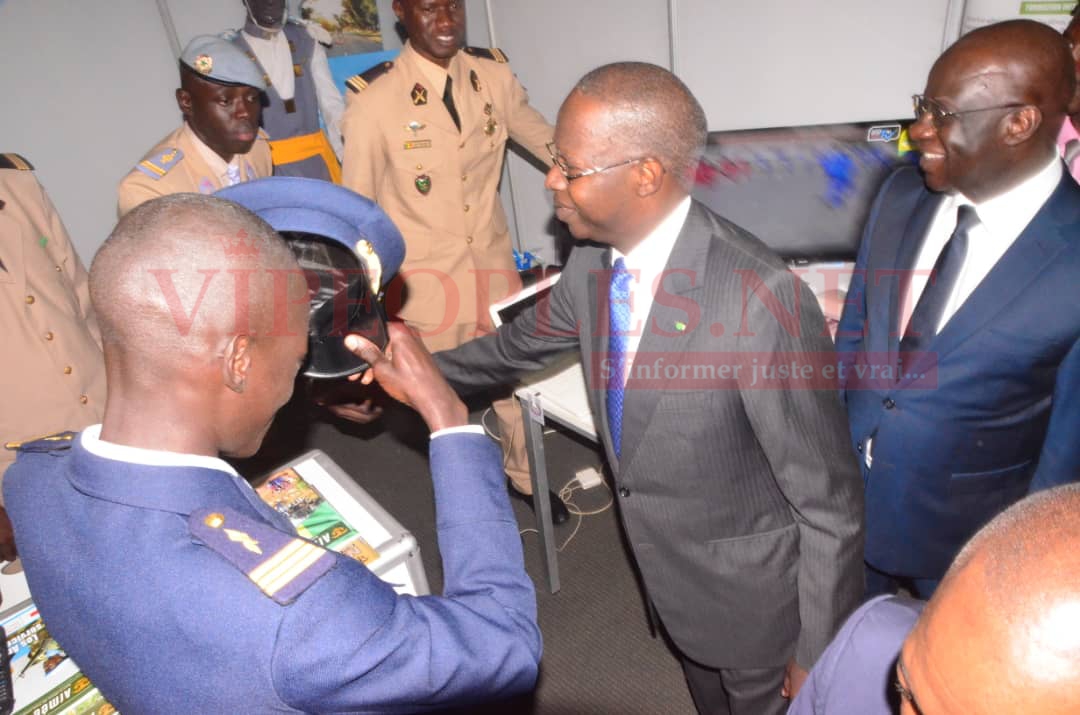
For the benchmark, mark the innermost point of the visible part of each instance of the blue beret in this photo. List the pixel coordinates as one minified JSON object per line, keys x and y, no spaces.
{"x":355,"y":227}
{"x":290,"y":203}
{"x":218,"y":60}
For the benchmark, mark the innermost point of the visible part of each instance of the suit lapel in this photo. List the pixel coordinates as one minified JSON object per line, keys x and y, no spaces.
{"x":1029,"y":255}
{"x":660,"y":338}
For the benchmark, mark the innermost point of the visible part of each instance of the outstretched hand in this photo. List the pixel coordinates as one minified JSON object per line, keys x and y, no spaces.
{"x":406,"y":372}
{"x":794,"y":677}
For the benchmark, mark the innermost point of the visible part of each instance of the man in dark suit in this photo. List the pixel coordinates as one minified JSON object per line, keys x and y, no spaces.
{"x":739,"y":495}
{"x":963,"y":390}
{"x":999,"y":636}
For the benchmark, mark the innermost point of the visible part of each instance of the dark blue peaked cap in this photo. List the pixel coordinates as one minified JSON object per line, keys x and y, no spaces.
{"x":334,"y":214}
{"x":318,"y":207}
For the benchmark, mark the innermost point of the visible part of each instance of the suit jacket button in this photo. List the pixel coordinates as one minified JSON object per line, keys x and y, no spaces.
{"x":858,"y":448}
{"x":888,"y":402}
{"x":624,"y":492}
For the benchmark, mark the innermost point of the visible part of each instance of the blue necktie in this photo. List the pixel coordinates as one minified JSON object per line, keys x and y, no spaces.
{"x":923,"y":325}
{"x":618,"y":327}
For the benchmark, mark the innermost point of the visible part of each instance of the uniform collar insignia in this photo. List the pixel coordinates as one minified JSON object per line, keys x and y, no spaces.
{"x":419,"y":94}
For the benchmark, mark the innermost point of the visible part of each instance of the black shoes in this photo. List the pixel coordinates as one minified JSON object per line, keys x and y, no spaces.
{"x":559,"y":513}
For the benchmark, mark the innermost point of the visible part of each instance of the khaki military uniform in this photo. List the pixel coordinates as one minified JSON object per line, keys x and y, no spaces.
{"x":177,"y":164}
{"x":54,"y":372}
{"x":440,"y":186}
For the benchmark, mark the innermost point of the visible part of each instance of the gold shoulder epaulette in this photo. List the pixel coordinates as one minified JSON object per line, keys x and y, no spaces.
{"x":359,"y":82}
{"x":14,"y":161}
{"x":159,"y":163}
{"x":488,"y":53}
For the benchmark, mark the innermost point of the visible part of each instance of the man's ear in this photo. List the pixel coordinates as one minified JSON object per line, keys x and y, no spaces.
{"x":183,"y":100}
{"x":236,"y":363}
{"x":1021,"y":124}
{"x":650,"y":176}
{"x":399,"y":11}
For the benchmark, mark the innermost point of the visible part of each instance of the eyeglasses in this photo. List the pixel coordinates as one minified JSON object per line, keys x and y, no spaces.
{"x":938,"y":114}
{"x":571,"y":174}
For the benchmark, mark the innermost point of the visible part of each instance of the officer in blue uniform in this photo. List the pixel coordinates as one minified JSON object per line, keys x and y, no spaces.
{"x":158,"y":568}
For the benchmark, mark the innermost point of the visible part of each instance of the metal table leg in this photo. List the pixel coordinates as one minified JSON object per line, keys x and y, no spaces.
{"x":534,"y":445}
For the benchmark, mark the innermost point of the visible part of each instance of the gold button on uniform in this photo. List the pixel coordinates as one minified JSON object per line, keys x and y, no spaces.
{"x":468,"y":239}
{"x":59,"y":269}
{"x":49,"y":335}
{"x":29,"y":300}
{"x":466,"y":208}
{"x":214,"y":520}
{"x":464,"y":177}
{"x":67,"y":370}
{"x":84,"y":399}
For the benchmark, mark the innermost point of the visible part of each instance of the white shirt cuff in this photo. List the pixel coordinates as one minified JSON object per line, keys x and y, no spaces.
{"x":462,"y":429}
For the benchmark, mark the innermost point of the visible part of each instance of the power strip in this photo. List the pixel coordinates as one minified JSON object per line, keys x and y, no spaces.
{"x":589,"y":477}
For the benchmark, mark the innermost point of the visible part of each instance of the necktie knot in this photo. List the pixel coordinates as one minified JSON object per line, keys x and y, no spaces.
{"x":1072,"y":149}
{"x":966,"y":219}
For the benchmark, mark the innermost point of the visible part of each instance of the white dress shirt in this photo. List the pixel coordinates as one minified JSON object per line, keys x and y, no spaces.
{"x":646,"y":263}
{"x":1001,"y":220}
{"x":276,"y":60}
{"x":228,"y":173}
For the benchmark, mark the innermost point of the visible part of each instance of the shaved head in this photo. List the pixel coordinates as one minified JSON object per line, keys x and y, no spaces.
{"x":1002,"y":632}
{"x":164,"y":284}
{"x":203,"y":314}
{"x":649,"y":112}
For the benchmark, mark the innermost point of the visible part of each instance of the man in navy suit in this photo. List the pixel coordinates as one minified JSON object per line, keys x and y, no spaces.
{"x":959,"y":350}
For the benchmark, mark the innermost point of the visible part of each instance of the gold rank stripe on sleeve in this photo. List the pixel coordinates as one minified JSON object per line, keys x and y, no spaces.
{"x":498,"y":55}
{"x":279,"y":570}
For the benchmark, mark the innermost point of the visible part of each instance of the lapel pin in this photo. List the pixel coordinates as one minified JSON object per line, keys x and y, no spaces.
{"x":680,"y":326}
{"x":415,"y":127}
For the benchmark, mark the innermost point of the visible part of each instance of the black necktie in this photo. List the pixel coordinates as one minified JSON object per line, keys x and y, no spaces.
{"x":923,"y":325}
{"x":448,"y":100}
{"x":1072,"y":149}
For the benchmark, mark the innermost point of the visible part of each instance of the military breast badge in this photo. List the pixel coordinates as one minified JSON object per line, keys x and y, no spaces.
{"x":423,"y":184}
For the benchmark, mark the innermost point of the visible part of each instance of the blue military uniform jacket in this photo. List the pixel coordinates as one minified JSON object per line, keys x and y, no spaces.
{"x":138,"y":580}
{"x":856,"y":674}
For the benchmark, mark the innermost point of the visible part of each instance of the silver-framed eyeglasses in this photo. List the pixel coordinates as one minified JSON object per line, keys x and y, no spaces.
{"x":938,"y":114}
{"x":570,"y":173}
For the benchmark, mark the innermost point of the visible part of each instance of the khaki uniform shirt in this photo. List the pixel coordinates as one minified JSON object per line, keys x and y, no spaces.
{"x":181,"y":162}
{"x":439,"y":185}
{"x":52,"y":365}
